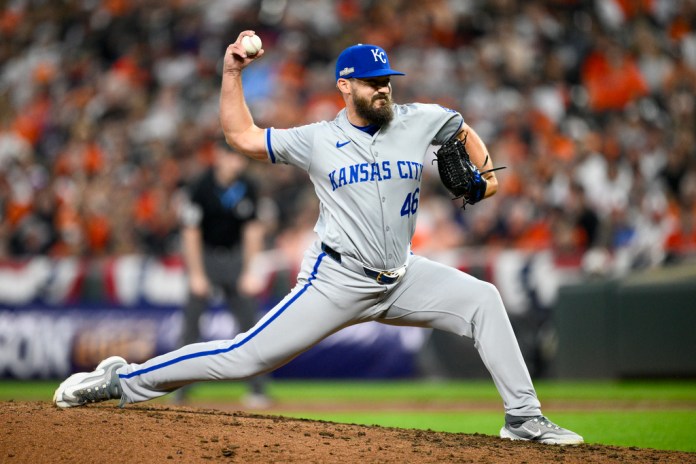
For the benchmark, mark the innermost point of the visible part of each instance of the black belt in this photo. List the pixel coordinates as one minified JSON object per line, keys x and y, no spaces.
{"x":333,"y":254}
{"x":382,"y":277}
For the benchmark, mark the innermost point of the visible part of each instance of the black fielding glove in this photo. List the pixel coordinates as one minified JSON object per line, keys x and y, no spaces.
{"x":458,"y":174}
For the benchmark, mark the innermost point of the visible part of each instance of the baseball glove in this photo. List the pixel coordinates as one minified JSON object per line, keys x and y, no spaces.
{"x":458,"y":174}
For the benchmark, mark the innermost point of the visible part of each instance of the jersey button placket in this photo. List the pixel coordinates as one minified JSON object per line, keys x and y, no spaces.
{"x":375,"y":154}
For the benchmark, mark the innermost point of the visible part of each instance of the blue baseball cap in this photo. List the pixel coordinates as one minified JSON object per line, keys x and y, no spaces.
{"x":363,"y":60}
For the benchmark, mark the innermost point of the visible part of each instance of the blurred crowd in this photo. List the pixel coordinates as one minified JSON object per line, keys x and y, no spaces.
{"x":109,"y":107}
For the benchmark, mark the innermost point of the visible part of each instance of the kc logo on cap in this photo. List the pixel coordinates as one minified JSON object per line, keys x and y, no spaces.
{"x":362,"y":61}
{"x":379,"y":54}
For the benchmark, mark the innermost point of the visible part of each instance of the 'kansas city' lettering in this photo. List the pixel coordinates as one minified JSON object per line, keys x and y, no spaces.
{"x":374,"y":172}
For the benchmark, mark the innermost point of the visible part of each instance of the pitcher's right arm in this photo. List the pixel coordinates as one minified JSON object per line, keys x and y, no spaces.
{"x":237,"y":123}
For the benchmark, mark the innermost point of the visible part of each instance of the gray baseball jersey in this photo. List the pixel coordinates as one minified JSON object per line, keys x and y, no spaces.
{"x":361,"y":267}
{"x":368,"y":186}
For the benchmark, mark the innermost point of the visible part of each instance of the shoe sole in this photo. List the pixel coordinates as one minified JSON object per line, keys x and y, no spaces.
{"x":507,"y":435}
{"x":76,"y":378}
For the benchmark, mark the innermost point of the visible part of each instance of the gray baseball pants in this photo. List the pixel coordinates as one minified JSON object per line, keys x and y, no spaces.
{"x":329,"y":297}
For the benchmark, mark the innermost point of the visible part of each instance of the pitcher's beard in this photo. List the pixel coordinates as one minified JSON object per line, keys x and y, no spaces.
{"x":375,"y":116}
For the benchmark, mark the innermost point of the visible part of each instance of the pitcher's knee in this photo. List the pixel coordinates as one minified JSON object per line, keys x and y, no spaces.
{"x":491,"y":305}
{"x":488,"y":295}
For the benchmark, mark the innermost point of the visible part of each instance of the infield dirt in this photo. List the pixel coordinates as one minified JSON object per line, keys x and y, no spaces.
{"x":38,"y":432}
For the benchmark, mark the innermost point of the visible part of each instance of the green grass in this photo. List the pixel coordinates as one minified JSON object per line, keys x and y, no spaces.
{"x":660,"y":415}
{"x":660,"y":429}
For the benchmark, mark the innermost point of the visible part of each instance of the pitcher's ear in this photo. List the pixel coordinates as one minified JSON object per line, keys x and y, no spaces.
{"x":343,"y":85}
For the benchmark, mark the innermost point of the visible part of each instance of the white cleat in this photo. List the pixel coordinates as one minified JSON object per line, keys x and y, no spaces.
{"x":102,"y":384}
{"x":538,"y":429}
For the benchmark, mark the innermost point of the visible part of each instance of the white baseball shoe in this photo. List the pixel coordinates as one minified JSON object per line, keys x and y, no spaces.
{"x":538,"y":429}
{"x":102,"y":384}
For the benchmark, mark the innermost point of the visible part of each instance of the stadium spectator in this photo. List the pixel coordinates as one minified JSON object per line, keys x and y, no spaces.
{"x":101,"y":102}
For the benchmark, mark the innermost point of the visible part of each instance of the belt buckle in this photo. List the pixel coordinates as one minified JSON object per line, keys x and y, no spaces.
{"x":386,"y":274}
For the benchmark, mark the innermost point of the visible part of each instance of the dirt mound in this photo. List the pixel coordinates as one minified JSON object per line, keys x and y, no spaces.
{"x":37,"y":432}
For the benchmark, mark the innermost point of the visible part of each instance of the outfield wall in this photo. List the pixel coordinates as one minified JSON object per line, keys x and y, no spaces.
{"x":641,"y":326}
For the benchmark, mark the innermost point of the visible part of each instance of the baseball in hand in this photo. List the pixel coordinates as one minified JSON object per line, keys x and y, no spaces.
{"x":251,"y":44}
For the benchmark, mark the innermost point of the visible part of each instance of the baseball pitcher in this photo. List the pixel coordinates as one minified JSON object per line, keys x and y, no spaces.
{"x":366,"y":166}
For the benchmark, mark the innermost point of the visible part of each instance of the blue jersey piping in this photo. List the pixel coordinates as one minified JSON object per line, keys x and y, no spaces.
{"x":268,"y":145}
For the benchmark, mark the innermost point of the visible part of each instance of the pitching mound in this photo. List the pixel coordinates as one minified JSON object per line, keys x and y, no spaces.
{"x":37,"y":432}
